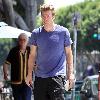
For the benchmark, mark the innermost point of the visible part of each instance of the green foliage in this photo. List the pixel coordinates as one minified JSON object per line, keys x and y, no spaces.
{"x":38,"y":21}
{"x":90,"y":16}
{"x":5,"y":46}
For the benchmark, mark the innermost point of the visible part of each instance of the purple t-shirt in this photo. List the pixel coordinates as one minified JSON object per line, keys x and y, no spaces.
{"x":50,"y":60}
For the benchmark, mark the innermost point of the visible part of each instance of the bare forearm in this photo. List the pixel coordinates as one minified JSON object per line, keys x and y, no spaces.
{"x":5,"y":68}
{"x":70,"y":72}
{"x":70,"y":64}
{"x":31,"y":61}
{"x":70,"y":68}
{"x":30,"y":64}
{"x":5,"y":71}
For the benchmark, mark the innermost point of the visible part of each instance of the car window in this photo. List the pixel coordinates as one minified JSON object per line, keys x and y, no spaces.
{"x":86,"y":85}
{"x":95,"y":86}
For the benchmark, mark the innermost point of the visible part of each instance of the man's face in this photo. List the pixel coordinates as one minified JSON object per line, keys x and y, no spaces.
{"x":47,"y":17}
{"x":22,"y":41}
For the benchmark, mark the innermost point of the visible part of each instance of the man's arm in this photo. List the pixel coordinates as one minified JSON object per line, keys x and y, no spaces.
{"x":69,"y":58}
{"x":31,"y":62}
{"x":5,"y":71}
{"x":70,"y":68}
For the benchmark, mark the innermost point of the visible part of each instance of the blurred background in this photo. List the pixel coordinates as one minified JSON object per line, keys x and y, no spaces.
{"x":81,"y":17}
{"x":24,"y":14}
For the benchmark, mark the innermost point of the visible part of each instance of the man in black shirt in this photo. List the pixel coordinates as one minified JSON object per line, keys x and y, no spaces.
{"x":18,"y":59}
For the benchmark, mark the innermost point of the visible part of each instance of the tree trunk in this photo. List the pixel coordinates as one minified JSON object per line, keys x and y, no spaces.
{"x":39,"y":2}
{"x":20,"y":22}
{"x":31,"y":13}
{"x":14,"y":19}
{"x":9,"y":13}
{"x":23,"y":3}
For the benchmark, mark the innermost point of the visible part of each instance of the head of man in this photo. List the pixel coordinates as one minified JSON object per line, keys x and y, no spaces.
{"x":47,"y":13}
{"x":22,"y":40}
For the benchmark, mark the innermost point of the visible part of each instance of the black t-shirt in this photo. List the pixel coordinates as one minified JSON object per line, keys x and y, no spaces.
{"x":19,"y":64}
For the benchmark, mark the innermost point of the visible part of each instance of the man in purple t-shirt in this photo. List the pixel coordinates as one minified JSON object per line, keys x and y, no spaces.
{"x":51,"y":49}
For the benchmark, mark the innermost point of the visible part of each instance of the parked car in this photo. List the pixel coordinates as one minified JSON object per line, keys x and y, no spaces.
{"x":68,"y":94}
{"x":89,"y":90}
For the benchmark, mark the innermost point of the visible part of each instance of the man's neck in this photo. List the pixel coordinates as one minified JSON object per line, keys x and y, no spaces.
{"x":23,"y":49}
{"x":49,"y":27}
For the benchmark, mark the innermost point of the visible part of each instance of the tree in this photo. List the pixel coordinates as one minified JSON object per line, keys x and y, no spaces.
{"x":20,"y":13}
{"x":89,"y":11}
{"x":17,"y":13}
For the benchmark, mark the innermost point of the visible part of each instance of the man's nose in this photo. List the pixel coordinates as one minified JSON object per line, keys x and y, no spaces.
{"x":46,"y":16}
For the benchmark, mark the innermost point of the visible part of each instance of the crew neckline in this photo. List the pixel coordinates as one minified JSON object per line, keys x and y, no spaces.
{"x":55,"y":25}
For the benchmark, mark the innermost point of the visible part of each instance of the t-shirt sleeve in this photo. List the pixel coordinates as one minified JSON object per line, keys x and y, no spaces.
{"x":33,"y":39}
{"x":67,"y":39}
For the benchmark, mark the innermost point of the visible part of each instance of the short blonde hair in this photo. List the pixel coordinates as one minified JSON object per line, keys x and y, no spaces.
{"x":46,"y":7}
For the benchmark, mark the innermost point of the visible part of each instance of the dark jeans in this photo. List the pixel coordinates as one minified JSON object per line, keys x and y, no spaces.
{"x":51,"y":88}
{"x":21,"y":92}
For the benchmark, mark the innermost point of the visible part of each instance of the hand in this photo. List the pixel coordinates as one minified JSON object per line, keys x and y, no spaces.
{"x":5,"y":76}
{"x":71,"y":83}
{"x":28,"y":80}
{"x":67,"y":85}
{"x":71,"y":79}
